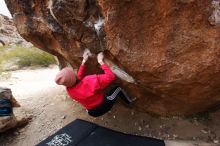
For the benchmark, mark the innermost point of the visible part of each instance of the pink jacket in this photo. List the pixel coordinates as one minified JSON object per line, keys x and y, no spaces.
{"x":88,"y":90}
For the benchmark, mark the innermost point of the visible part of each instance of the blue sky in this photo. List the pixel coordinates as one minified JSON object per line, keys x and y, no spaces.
{"x":4,"y":9}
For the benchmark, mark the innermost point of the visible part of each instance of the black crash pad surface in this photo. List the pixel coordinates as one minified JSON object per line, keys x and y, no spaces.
{"x":83,"y":133}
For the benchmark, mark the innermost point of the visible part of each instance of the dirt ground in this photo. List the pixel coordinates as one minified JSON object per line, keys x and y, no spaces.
{"x":52,"y":109}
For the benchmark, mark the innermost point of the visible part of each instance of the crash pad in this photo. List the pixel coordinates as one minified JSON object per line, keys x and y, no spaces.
{"x":84,"y":133}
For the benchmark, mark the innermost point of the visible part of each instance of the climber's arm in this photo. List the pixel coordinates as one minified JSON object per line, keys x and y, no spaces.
{"x":108,"y":76}
{"x":80,"y":73}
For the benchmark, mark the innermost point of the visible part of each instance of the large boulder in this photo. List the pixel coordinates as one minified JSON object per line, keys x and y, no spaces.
{"x":166,"y":52}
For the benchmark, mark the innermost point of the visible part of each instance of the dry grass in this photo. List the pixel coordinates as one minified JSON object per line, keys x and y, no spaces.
{"x":25,"y":57}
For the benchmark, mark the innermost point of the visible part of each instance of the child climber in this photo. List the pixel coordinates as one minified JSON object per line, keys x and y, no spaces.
{"x":87,"y":89}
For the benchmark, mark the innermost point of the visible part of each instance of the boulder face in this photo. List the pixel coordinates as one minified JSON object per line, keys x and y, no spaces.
{"x":168,"y":50}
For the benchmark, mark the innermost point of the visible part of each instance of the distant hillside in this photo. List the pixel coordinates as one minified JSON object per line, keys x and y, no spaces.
{"x":9,"y":34}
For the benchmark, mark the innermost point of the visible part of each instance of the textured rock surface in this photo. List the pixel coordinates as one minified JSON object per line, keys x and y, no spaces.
{"x":170,"y":47}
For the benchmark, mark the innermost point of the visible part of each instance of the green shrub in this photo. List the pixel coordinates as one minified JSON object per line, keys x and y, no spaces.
{"x":26,"y":56}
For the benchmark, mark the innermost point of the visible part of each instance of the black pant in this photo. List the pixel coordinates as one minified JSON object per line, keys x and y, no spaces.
{"x":107,"y":104}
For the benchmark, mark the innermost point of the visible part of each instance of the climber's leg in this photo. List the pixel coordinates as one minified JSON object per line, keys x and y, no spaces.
{"x":101,"y":109}
{"x":118,"y":91}
{"x":109,"y":101}
{"x":105,"y":106}
{"x":125,"y":97}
